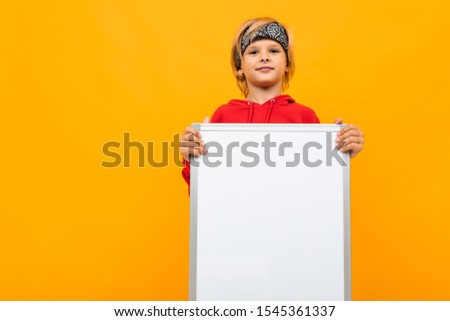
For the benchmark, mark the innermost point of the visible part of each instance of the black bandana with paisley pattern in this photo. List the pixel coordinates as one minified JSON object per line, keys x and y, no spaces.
{"x":271,"y":30}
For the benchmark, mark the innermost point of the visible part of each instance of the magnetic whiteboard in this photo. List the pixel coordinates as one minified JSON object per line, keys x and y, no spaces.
{"x":270,"y":217}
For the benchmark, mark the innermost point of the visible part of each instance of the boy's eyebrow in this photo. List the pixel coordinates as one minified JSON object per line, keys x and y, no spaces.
{"x":254,"y":46}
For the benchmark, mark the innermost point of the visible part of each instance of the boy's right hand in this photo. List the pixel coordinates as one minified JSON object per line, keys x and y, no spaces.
{"x":191,"y":142}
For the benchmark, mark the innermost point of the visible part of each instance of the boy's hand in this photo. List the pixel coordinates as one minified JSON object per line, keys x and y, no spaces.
{"x":191,"y":142}
{"x":349,"y":139}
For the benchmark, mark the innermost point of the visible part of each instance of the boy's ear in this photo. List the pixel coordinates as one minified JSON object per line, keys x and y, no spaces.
{"x":240,"y":72}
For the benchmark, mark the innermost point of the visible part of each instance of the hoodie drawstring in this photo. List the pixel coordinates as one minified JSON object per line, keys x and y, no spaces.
{"x":250,"y":113}
{"x":269,"y":112}
{"x":268,"y":115}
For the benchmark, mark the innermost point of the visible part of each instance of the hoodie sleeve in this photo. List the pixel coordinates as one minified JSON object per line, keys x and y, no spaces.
{"x":186,"y":172}
{"x":310,"y":117}
{"x":215,"y":118}
{"x":315,"y":118}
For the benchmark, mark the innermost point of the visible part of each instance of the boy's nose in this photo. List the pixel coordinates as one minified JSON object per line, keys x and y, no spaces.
{"x":264,"y":57}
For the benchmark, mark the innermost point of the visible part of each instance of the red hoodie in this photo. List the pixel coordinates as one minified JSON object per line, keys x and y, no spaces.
{"x":280,"y":109}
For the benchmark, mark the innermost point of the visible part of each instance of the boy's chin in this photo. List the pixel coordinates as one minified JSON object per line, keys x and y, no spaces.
{"x":266,"y":83}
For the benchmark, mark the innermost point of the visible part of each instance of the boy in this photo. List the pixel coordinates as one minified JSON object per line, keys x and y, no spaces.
{"x":263,"y":64}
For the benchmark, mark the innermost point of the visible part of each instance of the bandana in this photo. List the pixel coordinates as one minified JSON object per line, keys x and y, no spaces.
{"x":272,"y":31}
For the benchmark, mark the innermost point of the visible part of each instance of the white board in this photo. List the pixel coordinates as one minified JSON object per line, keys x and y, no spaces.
{"x":277,"y":229}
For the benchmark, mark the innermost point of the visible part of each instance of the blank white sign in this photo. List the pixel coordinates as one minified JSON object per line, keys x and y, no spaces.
{"x":270,"y":218}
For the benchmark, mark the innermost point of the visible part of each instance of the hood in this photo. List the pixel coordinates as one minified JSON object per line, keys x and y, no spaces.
{"x":274,"y":102}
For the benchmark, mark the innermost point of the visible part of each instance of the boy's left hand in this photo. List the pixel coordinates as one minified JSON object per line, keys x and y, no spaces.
{"x":349,"y":139}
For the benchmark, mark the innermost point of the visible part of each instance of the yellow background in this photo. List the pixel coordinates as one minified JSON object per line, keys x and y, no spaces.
{"x":76,"y":74}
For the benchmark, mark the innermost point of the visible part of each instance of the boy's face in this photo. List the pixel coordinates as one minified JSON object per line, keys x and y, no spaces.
{"x":264,"y":64}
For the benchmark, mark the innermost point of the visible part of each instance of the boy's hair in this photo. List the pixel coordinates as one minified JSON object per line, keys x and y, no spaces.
{"x":251,"y":29}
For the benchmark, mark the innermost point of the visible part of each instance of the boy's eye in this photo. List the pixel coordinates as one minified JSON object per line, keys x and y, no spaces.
{"x":274,"y":51}
{"x":253,"y":52}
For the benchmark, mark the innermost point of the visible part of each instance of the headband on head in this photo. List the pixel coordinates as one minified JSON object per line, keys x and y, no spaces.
{"x":271,"y":30}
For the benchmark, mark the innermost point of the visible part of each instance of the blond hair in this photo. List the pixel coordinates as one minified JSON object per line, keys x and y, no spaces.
{"x":251,"y":27}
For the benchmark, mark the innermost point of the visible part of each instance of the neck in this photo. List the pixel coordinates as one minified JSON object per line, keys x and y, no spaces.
{"x":261,"y":95}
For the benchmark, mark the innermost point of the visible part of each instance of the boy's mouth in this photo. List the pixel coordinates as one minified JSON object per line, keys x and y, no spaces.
{"x":264,"y":68}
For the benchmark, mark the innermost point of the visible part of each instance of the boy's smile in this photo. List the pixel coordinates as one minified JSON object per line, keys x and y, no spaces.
{"x":264,"y":68}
